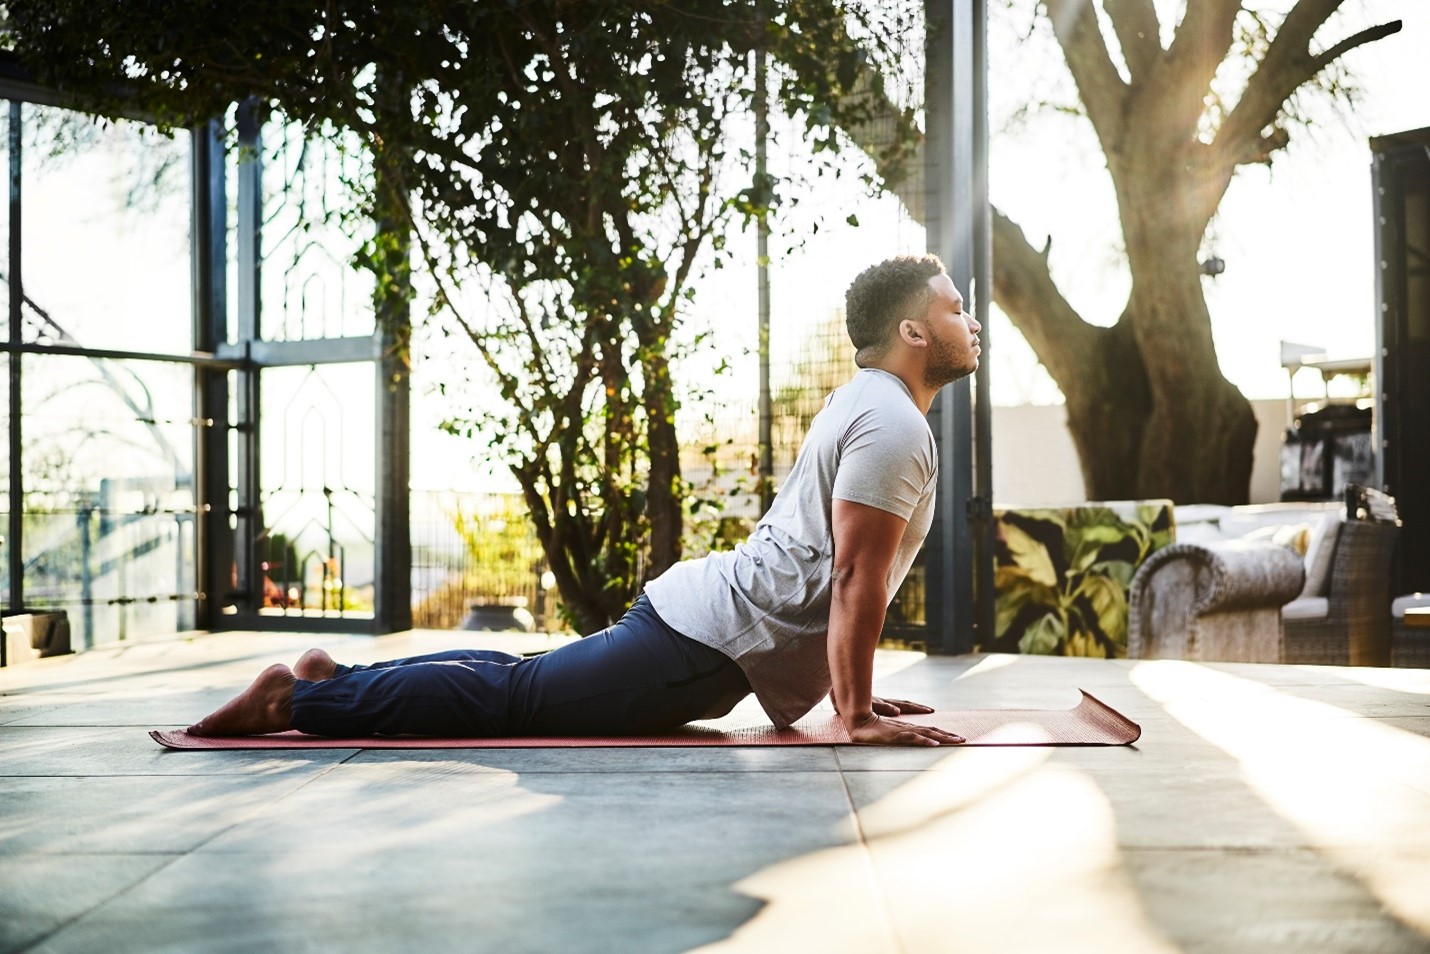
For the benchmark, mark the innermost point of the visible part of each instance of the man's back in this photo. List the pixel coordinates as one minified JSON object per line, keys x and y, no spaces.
{"x":766,"y":603}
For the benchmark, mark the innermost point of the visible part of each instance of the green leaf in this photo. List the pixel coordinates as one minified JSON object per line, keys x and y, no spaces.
{"x":1108,"y":598}
{"x":1030,"y":555}
{"x":1119,"y":571}
{"x":1013,"y":590}
{"x":1044,"y":637}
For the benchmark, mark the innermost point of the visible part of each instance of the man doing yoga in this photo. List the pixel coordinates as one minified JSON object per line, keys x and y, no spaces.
{"x":792,"y":614}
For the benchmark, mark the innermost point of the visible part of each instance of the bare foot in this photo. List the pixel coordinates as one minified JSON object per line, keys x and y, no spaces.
{"x":315,"y":666}
{"x":265,"y":706}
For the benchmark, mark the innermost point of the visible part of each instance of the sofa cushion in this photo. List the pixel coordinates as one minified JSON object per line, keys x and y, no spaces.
{"x":1400,"y":604}
{"x":1319,"y":553}
{"x":1297,"y":536}
{"x":1307,"y":607}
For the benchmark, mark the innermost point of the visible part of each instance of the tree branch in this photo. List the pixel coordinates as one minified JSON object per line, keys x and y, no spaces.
{"x":1139,"y":33}
{"x":1368,"y":35}
{"x":1287,"y":66}
{"x":1101,"y":89}
{"x":1203,"y":40}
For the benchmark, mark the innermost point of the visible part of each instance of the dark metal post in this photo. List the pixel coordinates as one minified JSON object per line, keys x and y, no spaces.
{"x":762,"y":239}
{"x":981,"y":295}
{"x":249,"y":591}
{"x":392,"y":597}
{"x":392,"y":592}
{"x":15,"y":530}
{"x":213,"y":537}
{"x":86,"y":574}
{"x":958,"y":229}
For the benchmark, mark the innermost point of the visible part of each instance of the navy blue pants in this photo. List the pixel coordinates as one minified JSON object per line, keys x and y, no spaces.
{"x":638,"y":676}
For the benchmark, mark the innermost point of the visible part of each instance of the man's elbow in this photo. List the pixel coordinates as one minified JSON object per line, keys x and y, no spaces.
{"x":850,"y":583}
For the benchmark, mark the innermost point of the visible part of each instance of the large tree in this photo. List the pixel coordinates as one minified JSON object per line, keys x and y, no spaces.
{"x":1148,"y":407}
{"x":572,"y":158}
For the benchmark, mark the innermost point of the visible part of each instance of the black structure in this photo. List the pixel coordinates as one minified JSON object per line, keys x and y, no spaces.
{"x":225,"y":544}
{"x":958,"y":555}
{"x":1400,"y":175}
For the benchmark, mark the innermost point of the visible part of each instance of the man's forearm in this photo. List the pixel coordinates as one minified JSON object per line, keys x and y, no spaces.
{"x":856,"y":618}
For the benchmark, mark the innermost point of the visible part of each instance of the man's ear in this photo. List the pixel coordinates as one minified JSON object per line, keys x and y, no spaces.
{"x":912,"y":333}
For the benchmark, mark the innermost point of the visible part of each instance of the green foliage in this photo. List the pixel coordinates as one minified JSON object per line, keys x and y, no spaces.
{"x":564,"y":165}
{"x":506,"y":556}
{"x":1061,"y":577}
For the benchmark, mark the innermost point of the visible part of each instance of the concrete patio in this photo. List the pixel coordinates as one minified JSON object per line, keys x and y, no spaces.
{"x":1266,"y":808}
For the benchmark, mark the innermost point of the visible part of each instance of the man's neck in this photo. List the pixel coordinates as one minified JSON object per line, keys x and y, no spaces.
{"x":921,"y":394}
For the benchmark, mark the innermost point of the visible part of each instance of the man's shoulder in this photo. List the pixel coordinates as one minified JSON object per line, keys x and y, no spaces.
{"x":881,"y":402}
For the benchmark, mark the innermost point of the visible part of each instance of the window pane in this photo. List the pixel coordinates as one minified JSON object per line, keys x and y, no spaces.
{"x":106,"y":218}
{"x":311,"y":289}
{"x":109,"y":495}
{"x":318,"y":476}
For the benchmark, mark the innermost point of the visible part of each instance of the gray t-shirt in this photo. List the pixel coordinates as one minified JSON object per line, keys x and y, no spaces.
{"x":765,"y":603}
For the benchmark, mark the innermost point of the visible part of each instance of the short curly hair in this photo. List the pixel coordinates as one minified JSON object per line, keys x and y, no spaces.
{"x":882,"y":296}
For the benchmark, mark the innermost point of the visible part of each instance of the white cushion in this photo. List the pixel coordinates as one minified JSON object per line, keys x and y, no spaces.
{"x":1295,"y":536}
{"x":1307,"y":607}
{"x":1319,"y":554}
{"x":1198,"y":523}
{"x":1239,"y":521}
{"x":1400,"y":604}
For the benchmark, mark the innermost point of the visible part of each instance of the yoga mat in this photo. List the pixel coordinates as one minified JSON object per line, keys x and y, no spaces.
{"x":1090,"y":722}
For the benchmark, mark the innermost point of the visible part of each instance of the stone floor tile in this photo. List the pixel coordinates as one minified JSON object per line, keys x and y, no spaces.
{"x":26,"y":751}
{"x":1290,"y":901}
{"x":39,"y":894}
{"x":1014,"y":853}
{"x":439,"y":903}
{"x":459,"y":808}
{"x":674,"y":759}
{"x":118,"y":814}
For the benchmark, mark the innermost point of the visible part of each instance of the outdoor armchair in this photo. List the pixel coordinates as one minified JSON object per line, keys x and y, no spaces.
{"x":1214,"y":601}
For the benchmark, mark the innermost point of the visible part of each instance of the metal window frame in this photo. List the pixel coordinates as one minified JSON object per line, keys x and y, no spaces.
{"x":213,"y":358}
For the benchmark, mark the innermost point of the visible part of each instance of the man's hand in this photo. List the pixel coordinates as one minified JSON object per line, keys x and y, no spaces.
{"x":893,"y":707}
{"x":875,"y":729}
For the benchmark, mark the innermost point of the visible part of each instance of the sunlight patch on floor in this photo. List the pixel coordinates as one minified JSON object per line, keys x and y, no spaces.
{"x":1358,"y":788}
{"x":987,"y":664}
{"x":1410,"y":681}
{"x":1001,"y":850}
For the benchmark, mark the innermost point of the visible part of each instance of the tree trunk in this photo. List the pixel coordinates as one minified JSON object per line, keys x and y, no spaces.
{"x":663,"y":496}
{"x":1107,"y":416}
{"x":1199,"y":432}
{"x":1148,"y":408}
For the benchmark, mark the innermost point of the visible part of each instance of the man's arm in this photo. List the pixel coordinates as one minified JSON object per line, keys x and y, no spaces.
{"x":865,"y":542}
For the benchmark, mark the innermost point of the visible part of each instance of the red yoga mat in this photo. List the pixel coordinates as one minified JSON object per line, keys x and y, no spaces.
{"x":1090,"y":722}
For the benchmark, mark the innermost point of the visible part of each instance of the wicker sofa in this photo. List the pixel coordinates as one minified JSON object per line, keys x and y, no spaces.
{"x":1349,"y":624}
{"x":1256,"y":599}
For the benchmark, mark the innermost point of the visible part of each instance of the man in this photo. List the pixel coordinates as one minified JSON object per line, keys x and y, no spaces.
{"x":792,"y":614}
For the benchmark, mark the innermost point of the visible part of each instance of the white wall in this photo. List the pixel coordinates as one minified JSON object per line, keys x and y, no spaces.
{"x":1034,"y":461}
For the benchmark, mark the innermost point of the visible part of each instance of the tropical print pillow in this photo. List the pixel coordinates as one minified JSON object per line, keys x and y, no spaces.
{"x":1061,"y":576}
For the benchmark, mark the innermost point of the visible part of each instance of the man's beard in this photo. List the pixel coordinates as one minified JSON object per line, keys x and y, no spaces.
{"x":944,"y":365}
